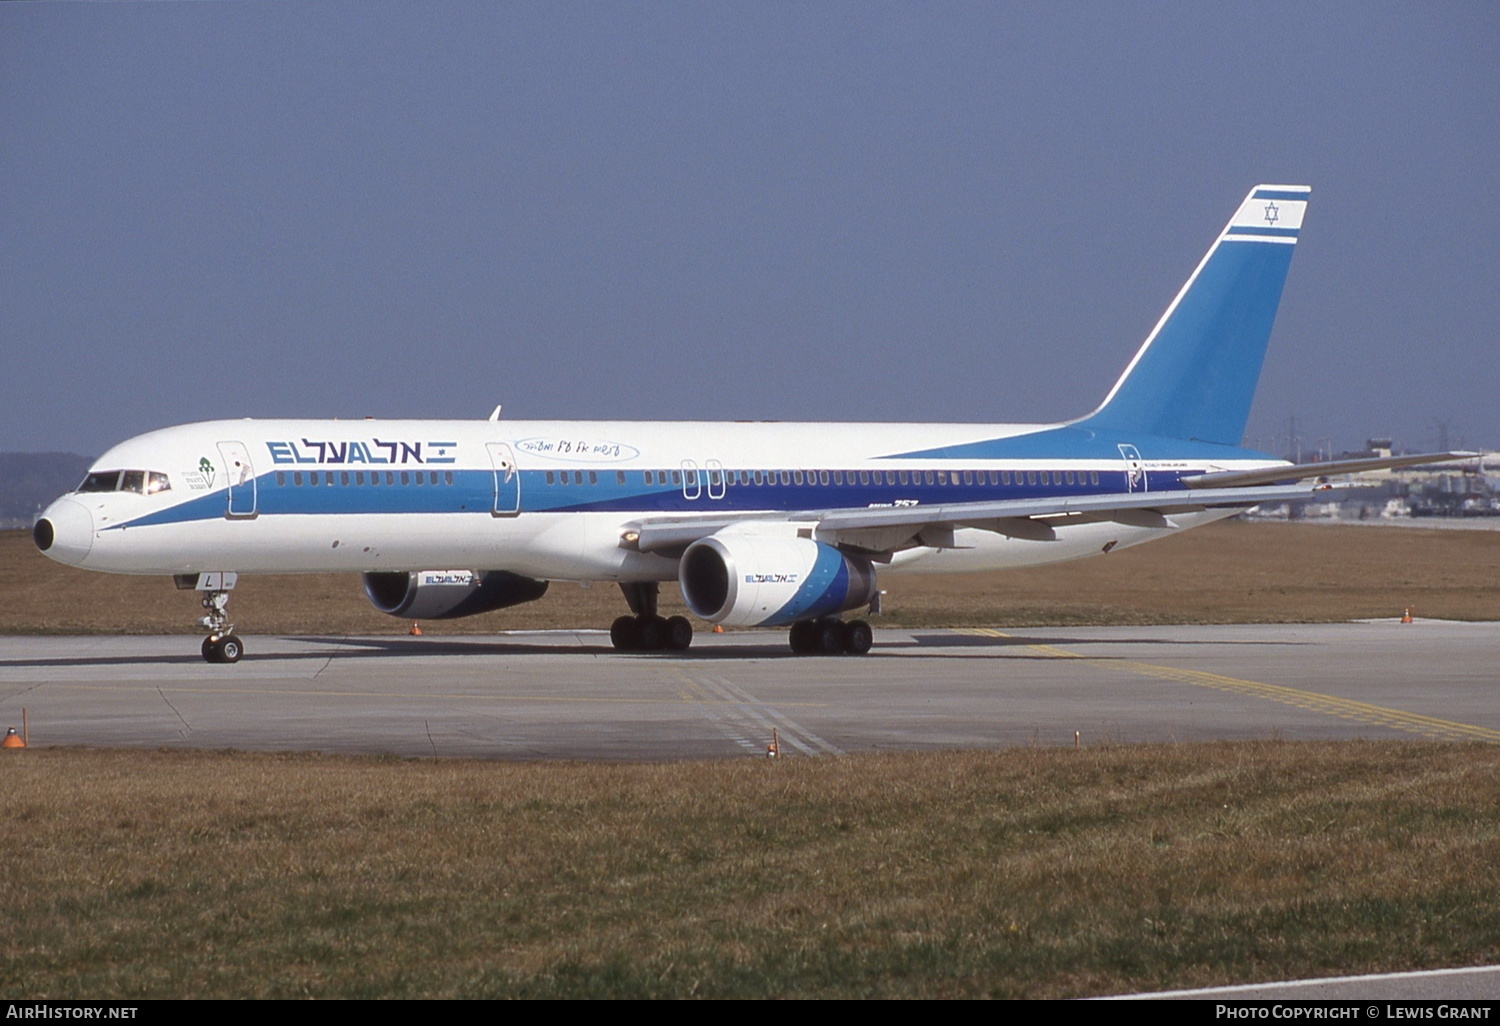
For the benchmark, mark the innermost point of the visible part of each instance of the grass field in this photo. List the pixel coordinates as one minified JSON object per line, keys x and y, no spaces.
{"x":1233,"y":572}
{"x":1018,"y":873}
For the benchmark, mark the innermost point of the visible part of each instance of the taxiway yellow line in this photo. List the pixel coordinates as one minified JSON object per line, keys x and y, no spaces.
{"x":1313,"y":701}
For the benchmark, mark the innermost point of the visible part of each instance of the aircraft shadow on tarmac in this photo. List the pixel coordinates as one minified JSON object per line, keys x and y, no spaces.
{"x":946,"y":640}
{"x":328,"y":647}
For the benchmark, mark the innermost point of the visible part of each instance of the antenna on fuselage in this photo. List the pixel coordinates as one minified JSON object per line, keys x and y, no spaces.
{"x":495,"y":413}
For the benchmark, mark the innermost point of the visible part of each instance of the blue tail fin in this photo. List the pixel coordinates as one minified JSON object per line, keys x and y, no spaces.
{"x":1195,"y":376}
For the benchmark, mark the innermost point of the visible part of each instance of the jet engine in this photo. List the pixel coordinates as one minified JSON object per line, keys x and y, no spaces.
{"x":746,"y":580}
{"x":448,"y":594}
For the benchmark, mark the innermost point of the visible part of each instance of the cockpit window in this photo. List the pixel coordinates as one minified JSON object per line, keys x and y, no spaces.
{"x":142,"y":482}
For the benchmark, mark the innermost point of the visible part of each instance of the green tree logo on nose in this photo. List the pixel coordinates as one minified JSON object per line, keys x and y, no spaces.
{"x":207,"y":470}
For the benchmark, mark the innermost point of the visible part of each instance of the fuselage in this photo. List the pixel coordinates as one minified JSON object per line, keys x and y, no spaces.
{"x":552,"y":499}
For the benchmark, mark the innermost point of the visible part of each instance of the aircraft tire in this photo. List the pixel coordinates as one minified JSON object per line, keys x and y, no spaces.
{"x":679,"y":633}
{"x":828,"y":637}
{"x":211,"y":651}
{"x":230,"y":649}
{"x":653,"y":633}
{"x":625,"y":634}
{"x":801,"y":637}
{"x":858,"y":637}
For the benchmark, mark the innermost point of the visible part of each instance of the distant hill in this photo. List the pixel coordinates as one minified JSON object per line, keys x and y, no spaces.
{"x":30,"y":480}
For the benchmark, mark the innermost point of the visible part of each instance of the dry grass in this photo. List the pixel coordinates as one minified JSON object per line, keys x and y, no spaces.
{"x":1227,"y":573}
{"x":1017,"y":873}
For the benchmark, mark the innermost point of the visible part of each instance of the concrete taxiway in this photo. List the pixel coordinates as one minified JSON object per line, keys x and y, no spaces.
{"x":569,"y":696}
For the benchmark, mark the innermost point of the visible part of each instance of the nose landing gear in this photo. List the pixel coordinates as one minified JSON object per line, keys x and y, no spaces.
{"x":221,"y":645}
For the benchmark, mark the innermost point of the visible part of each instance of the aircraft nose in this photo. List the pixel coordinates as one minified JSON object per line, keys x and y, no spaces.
{"x":65,"y":532}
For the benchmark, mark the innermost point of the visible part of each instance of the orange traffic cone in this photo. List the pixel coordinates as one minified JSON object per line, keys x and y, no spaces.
{"x":1406,"y":615}
{"x":12,"y":739}
{"x":415,"y":631}
{"x":718,"y":628}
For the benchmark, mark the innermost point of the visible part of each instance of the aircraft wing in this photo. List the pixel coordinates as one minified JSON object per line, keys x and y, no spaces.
{"x":883,"y":529}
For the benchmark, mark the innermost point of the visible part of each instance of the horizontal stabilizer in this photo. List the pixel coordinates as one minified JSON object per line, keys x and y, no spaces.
{"x":1304,"y":471}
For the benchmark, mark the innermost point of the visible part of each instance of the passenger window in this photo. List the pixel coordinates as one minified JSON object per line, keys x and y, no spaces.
{"x":550,"y":479}
{"x":1070,"y":477}
{"x":619,"y":477}
{"x":405,"y":478}
{"x":297,"y":478}
{"x":593,"y":478}
{"x":1093,"y":477}
{"x":786,"y":477}
{"x":677,"y":477}
{"x":280,"y":479}
{"x":796,"y":477}
{"x":344,"y":477}
{"x":359,"y":477}
{"x":822,"y":477}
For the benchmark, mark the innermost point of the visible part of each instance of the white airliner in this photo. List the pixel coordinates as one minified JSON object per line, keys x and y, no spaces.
{"x":761,"y":524}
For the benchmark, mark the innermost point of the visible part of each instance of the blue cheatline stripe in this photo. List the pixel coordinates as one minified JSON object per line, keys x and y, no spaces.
{"x":1286,"y":233}
{"x":1278,"y":194}
{"x":822,"y":590}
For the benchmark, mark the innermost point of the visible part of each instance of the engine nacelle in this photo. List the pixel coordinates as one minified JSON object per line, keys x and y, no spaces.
{"x":746,"y":580}
{"x":447,"y":594}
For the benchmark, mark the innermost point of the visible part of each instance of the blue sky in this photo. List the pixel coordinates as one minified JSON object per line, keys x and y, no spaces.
{"x":856,"y":211}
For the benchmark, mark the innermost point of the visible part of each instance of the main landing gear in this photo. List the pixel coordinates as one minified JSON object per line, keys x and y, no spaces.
{"x":221,"y":645}
{"x":831,"y":636}
{"x":646,"y":631}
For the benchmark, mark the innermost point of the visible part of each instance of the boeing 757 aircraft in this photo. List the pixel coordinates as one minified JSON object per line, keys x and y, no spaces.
{"x":761,"y":524}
